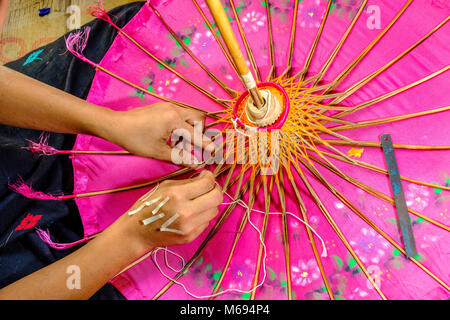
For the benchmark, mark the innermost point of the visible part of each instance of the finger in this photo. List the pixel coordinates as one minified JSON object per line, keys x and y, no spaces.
{"x":198,"y":186}
{"x":191,"y":116}
{"x":195,"y":136}
{"x":207,"y":201}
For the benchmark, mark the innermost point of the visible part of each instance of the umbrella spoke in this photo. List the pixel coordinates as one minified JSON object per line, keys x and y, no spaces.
{"x":330,"y":60}
{"x":267,"y":200}
{"x":375,"y":74}
{"x":241,"y":190}
{"x":392,"y":93}
{"x":279,"y":181}
{"x":374,"y":144}
{"x":376,"y":193}
{"x":337,"y":230}
{"x":246,"y":44}
{"x":288,"y":69}
{"x":387,"y":120}
{"x":363,"y":54}
{"x":372,"y":225}
{"x":302,"y":209}
{"x":189,"y":52}
{"x":216,"y":37}
{"x":178,"y":74}
{"x":178,"y":103}
{"x":273,"y":71}
{"x":252,"y":197}
{"x":305,"y":70}
{"x":374,"y":168}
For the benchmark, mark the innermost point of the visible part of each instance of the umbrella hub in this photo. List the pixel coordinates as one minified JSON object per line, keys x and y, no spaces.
{"x":271,"y":115}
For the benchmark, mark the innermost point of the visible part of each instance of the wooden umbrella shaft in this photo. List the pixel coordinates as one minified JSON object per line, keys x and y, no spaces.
{"x":222,"y":22}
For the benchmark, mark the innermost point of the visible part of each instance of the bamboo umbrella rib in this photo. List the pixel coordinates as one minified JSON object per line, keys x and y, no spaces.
{"x":178,"y":103}
{"x":245,"y":41}
{"x":362,"y":55}
{"x":372,"y":225}
{"x":263,"y":235}
{"x":378,"y":145}
{"x":282,"y":196}
{"x":273,"y":71}
{"x":374,"y":168}
{"x":391,"y":94}
{"x":178,"y":74}
{"x":252,"y":197}
{"x":219,"y":42}
{"x":239,"y":194}
{"x":375,"y":74}
{"x":337,"y":230}
{"x":376,"y":193}
{"x":189,"y":52}
{"x":312,"y":241}
{"x":316,"y":42}
{"x":287,"y":72}
{"x":370,"y":123}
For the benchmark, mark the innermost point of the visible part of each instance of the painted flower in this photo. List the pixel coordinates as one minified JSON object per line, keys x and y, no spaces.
{"x":200,"y":44}
{"x":304,"y":273}
{"x":241,"y":275}
{"x":417,"y":197}
{"x":370,"y":247}
{"x":253,"y":21}
{"x":345,"y":7}
{"x":167,"y":86}
{"x":310,"y":16}
{"x":358,"y":294}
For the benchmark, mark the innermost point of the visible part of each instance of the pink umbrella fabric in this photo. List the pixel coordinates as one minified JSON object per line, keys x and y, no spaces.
{"x":396,"y":277}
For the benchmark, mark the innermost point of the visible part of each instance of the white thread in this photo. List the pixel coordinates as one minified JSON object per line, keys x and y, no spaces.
{"x":147,"y":221}
{"x":249,"y":81}
{"x":160,"y":205}
{"x":225,"y":291}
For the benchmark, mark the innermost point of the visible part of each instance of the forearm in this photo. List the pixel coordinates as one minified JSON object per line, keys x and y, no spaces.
{"x":98,"y":261}
{"x":28,"y":103}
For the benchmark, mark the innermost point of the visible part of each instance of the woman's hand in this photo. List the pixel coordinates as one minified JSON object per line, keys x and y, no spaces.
{"x":190,"y":204}
{"x":146,"y":132}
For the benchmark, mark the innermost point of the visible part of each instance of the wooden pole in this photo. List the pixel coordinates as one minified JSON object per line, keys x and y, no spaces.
{"x":222,"y":22}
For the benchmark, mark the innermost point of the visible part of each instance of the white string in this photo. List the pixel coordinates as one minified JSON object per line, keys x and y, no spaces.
{"x":243,"y":204}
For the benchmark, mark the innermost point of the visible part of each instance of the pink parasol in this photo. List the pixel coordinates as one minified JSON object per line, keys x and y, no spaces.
{"x":324,"y":226}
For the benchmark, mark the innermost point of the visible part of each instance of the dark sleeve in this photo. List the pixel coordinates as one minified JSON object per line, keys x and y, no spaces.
{"x":21,"y":251}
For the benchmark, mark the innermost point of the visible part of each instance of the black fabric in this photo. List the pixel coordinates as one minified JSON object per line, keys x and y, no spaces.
{"x":21,"y":250}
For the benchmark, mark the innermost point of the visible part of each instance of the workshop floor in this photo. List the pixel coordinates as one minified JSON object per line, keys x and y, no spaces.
{"x":25,"y":31}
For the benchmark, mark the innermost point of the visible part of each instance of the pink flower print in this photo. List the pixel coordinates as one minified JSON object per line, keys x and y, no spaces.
{"x":200,"y":44}
{"x":311,"y":16}
{"x":370,"y":247}
{"x":417,"y":197}
{"x":167,"y":86}
{"x":241,"y":275}
{"x":253,"y":21}
{"x":304,"y":273}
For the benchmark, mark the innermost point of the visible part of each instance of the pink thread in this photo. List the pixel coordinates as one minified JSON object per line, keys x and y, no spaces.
{"x":76,"y":43}
{"x":27,"y":191}
{"x":45,"y":236}
{"x":98,"y":11}
{"x":41,"y":147}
